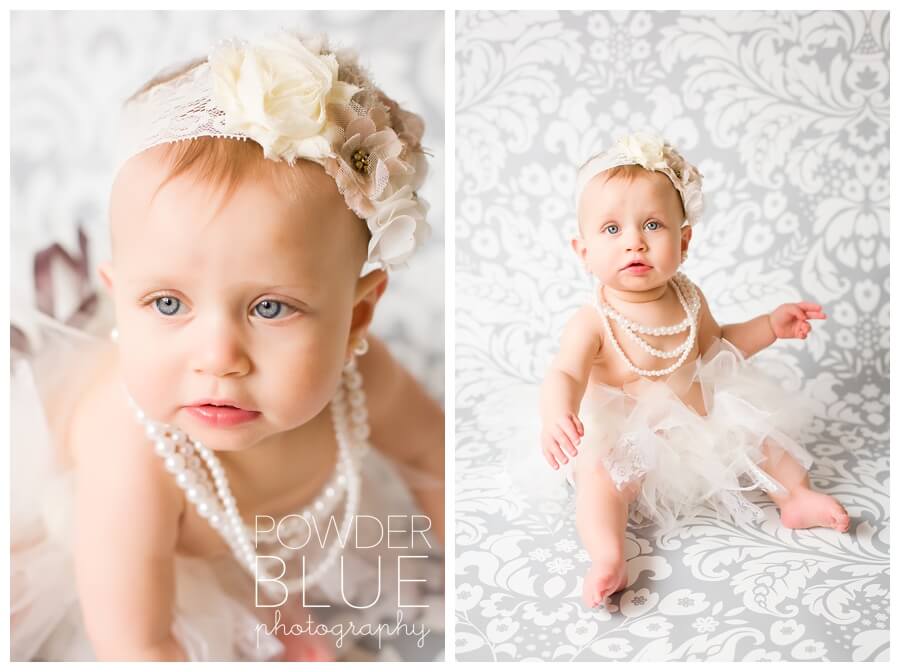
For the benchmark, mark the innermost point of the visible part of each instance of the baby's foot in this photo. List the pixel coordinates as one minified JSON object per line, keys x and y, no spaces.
{"x":808,"y":508}
{"x":604,"y":578}
{"x":307,"y":647}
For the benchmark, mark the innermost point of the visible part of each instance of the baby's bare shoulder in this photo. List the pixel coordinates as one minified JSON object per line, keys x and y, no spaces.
{"x":108,"y":447}
{"x":585,"y":326}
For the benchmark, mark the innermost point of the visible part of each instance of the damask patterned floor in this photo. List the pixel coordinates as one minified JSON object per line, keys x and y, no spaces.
{"x":785,"y":114}
{"x":709,"y":592}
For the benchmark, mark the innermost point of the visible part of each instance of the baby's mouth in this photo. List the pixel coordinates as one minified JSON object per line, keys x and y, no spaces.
{"x":222,"y":416}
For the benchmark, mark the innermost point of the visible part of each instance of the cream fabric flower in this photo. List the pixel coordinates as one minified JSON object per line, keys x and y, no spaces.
{"x":398,"y":227}
{"x":644,"y":150}
{"x":277,"y":91}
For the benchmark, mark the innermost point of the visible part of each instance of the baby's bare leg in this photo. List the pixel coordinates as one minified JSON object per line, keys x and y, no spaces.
{"x":601,"y":518}
{"x":802,"y":507}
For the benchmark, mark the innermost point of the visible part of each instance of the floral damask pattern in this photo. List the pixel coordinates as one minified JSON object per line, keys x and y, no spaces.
{"x":786,"y":116}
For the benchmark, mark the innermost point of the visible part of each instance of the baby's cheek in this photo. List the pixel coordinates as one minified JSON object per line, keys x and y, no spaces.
{"x":152,"y":384}
{"x":302,"y":382}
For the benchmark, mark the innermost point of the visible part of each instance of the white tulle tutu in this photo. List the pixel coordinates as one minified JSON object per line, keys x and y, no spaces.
{"x":684,"y":461}
{"x":213,"y":619}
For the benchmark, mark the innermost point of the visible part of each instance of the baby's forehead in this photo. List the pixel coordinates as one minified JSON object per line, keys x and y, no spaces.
{"x":259,"y":211}
{"x":634,"y":186}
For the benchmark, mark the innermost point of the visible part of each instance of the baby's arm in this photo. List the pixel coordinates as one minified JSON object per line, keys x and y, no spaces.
{"x":564,"y":386}
{"x":789,"y":320}
{"x":408,"y":426}
{"x":127,"y":509}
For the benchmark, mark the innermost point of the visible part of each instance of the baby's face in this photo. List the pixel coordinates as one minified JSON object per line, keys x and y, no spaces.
{"x":623,"y":220}
{"x":245,"y":302}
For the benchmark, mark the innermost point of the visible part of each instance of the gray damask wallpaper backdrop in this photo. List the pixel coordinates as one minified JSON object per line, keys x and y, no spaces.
{"x":70,"y":73}
{"x":786,"y":115}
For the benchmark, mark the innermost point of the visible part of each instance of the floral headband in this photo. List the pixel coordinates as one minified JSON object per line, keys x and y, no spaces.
{"x":651,"y":152}
{"x":298,"y":100}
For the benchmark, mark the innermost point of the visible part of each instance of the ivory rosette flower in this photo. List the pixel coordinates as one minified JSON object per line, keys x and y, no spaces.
{"x":398,"y":227}
{"x":644,"y":150}
{"x":277,"y":91}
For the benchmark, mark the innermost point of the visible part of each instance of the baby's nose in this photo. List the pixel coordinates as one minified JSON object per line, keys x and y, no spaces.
{"x":634,"y":241}
{"x":220,"y":352}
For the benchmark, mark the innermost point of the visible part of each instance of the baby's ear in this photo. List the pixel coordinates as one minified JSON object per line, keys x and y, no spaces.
{"x":105,"y":272}
{"x":686,"y":234}
{"x":579,"y":247}
{"x":369,"y":289}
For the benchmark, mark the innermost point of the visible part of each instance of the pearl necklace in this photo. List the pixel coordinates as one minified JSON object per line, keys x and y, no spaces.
{"x":689,"y":323}
{"x":184,"y":458}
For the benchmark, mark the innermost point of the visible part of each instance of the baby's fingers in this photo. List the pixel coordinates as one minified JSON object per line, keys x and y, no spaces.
{"x":550,"y":459}
{"x":812,"y":311}
{"x":571,"y":431}
{"x":578,"y":425}
{"x":552,"y":452}
{"x":565,"y":444}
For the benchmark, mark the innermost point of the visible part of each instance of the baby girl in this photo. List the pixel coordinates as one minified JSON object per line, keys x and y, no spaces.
{"x":263,"y":193}
{"x":652,"y":395}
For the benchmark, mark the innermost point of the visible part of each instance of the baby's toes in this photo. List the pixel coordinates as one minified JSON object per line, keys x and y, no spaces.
{"x":841,"y":519}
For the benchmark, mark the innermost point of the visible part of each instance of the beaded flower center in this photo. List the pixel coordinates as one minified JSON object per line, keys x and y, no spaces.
{"x":361,"y":161}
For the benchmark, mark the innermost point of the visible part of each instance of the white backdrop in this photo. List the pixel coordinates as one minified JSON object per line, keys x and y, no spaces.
{"x":786,"y":116}
{"x":70,"y":73}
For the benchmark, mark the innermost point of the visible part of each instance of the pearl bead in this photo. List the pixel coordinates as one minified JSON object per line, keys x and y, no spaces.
{"x":185,"y":479}
{"x":163,"y":448}
{"x":204,"y":509}
{"x":174,"y":462}
{"x":329,"y":492}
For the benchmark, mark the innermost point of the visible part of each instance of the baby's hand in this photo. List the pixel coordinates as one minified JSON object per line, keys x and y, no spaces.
{"x":560,"y":439}
{"x":789,"y":320}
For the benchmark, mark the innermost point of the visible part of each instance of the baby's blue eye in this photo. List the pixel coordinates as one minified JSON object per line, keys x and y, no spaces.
{"x":269,"y":309}
{"x":167,"y":305}
{"x":612,"y":228}
{"x":653,"y":226}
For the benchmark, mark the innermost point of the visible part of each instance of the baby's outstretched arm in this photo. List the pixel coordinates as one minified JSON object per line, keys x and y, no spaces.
{"x":564,"y":386}
{"x":127,"y":509}
{"x":789,"y":320}
{"x":408,"y":426}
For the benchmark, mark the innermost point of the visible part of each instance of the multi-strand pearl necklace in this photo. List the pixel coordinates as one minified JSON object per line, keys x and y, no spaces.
{"x":691,"y":308}
{"x":208,"y":489}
